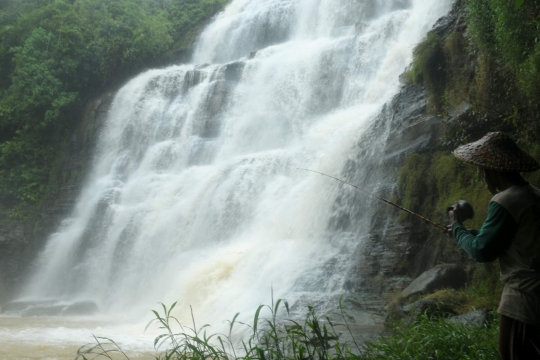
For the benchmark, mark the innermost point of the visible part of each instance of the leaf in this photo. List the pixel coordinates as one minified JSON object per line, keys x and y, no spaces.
{"x":277,"y":307}
{"x":518,"y":4}
{"x":261,"y":353}
{"x":232,"y":322}
{"x":256,"y":318}
{"x":171,"y":308}
{"x":156,"y":340}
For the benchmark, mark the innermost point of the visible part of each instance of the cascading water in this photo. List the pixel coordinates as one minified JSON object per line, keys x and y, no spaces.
{"x":195,"y":194}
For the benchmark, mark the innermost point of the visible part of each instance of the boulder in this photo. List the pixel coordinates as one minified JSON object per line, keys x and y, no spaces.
{"x":431,"y":307}
{"x":394,"y":312}
{"x":436,"y":278}
{"x":233,"y":71}
{"x":476,"y":317}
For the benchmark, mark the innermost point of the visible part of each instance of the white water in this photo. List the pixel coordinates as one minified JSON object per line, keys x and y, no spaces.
{"x":195,"y":195}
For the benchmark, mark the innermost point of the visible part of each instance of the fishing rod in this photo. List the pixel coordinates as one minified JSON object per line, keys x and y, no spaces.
{"x":427,"y":221}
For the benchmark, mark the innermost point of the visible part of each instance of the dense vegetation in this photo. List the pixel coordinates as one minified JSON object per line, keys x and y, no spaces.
{"x":491,"y":61}
{"x":57,"y":54}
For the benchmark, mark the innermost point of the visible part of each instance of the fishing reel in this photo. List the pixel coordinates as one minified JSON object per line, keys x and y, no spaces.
{"x":465,"y":209}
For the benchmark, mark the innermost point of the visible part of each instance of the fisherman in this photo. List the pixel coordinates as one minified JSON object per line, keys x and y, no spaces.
{"x":510,"y":233}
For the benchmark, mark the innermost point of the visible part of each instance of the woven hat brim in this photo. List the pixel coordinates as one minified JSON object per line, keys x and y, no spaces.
{"x":505,"y":160}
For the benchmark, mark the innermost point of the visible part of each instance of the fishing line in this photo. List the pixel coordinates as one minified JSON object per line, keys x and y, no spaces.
{"x":426,"y":220}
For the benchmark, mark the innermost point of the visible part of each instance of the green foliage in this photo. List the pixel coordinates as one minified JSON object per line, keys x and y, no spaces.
{"x":510,"y":35}
{"x":456,"y":180}
{"x":436,"y":339}
{"x":185,"y":15}
{"x":23,"y":180}
{"x":416,"y":185}
{"x":534,"y":151}
{"x":55,"y":55}
{"x":484,"y":291}
{"x":130,"y":35}
{"x":274,"y":338}
{"x":491,"y":61}
{"x":503,"y":45}
{"x":428,"y":68}
{"x":486,"y":286}
{"x":430,"y":183}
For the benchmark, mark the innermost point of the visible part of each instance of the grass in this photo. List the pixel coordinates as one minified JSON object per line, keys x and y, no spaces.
{"x":435,"y":339}
{"x":316,"y":338}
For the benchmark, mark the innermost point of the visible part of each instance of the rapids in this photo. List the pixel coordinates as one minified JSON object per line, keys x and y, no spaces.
{"x":194,"y":195}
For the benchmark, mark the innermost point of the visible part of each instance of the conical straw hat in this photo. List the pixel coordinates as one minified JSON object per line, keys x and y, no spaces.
{"x":497,"y":151}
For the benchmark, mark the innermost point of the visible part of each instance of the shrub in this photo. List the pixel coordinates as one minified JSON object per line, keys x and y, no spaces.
{"x":435,"y":339}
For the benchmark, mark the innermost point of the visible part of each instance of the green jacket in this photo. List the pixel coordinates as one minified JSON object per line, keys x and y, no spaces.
{"x":492,"y":239}
{"x":511,"y":233}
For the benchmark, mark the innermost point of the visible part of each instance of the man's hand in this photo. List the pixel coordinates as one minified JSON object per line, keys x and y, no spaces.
{"x":454,"y":214}
{"x":449,"y":232}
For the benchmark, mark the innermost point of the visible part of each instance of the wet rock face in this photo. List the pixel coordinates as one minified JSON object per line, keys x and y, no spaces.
{"x":14,"y":237}
{"x":454,"y":20}
{"x":222,"y":83}
{"x":397,"y":250}
{"x":21,"y":240}
{"x":436,"y":278}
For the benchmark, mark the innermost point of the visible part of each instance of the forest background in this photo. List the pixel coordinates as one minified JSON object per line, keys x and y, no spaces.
{"x":56,"y":55}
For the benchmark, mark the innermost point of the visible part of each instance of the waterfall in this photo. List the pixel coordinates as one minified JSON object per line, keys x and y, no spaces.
{"x":195,"y":194}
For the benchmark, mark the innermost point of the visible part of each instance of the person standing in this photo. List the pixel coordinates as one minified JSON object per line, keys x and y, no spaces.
{"x":510,"y":233}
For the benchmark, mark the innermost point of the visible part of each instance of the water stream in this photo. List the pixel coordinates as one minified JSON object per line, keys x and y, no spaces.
{"x":195,"y":196}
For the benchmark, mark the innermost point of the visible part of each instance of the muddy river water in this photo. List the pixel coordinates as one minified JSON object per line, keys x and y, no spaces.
{"x":59,"y":338}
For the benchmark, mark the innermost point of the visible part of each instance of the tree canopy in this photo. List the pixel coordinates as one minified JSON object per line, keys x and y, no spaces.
{"x":56,"y":54}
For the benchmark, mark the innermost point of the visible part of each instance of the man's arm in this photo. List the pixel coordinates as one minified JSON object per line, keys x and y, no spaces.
{"x":492,"y":239}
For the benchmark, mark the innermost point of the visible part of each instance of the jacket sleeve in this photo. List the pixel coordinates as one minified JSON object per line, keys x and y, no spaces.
{"x":492,"y":239}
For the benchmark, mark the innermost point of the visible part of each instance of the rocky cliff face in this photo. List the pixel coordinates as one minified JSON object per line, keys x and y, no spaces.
{"x":20,"y":241}
{"x":397,"y":249}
